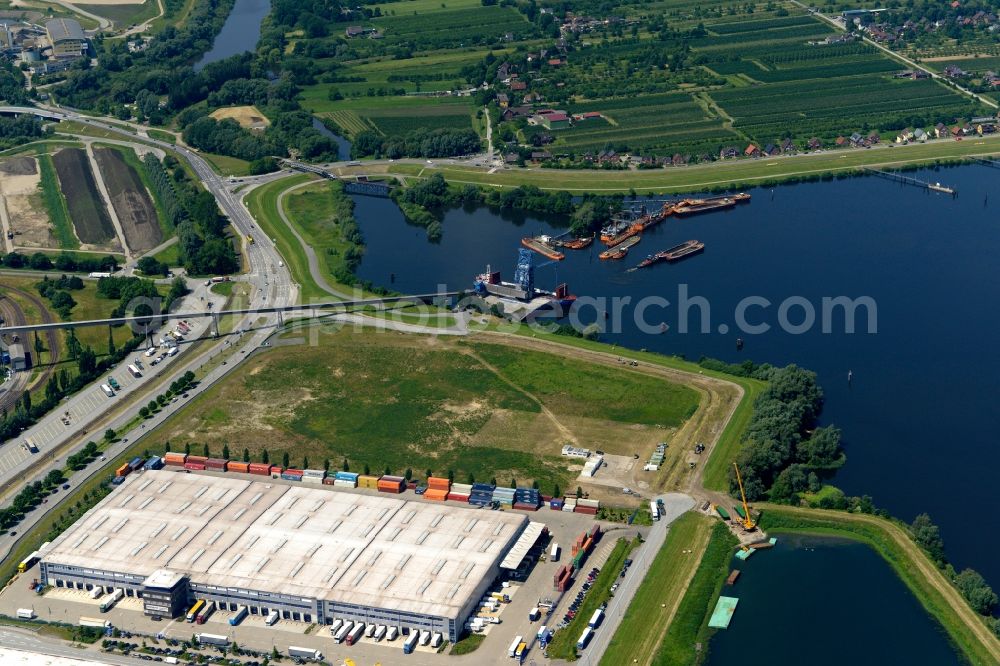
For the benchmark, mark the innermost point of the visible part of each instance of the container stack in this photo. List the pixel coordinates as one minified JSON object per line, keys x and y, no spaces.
{"x":260,"y":469}
{"x":592,"y":465}
{"x":391,"y":484}
{"x":195,"y":462}
{"x":563,"y":578}
{"x":292,"y":474}
{"x":123,"y":471}
{"x":345,"y":480}
{"x":313,"y":476}
{"x":135,"y":463}
{"x":504,"y":496}
{"x":460,"y":492}
{"x":588,"y":506}
{"x":156,"y":462}
{"x":217,"y":464}
{"x":368,"y":481}
{"x":437,"y":488}
{"x":556,"y":504}
{"x":527,"y":499}
{"x":569,"y":504}
{"x":241,"y":467}
{"x":482,"y":494}
{"x":178,"y":459}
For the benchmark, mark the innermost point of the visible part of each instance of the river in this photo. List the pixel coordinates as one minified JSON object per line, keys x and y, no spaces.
{"x":918,"y":418}
{"x":809,"y":601}
{"x":239,"y":33}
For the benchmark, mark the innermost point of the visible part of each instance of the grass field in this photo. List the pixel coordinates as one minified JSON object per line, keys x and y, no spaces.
{"x":83,"y":201}
{"x":641,"y":631}
{"x":965,"y":628}
{"x":319,"y":213}
{"x":388,"y":400}
{"x":227,"y":166}
{"x":720,"y":175}
{"x":124,"y":15}
{"x":55,"y":204}
{"x":169,"y":137}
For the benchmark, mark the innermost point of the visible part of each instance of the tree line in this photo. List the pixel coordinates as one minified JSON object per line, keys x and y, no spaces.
{"x":64,"y":261}
{"x":421,"y":142}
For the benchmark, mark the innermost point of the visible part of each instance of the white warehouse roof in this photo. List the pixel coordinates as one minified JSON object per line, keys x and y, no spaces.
{"x":378,"y":551}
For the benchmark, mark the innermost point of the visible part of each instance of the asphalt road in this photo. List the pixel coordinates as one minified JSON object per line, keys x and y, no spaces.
{"x":14,"y":642}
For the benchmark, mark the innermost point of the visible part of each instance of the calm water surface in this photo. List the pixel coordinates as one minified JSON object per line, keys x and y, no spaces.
{"x":239,"y":33}
{"x":919,"y":418}
{"x":825,"y":602}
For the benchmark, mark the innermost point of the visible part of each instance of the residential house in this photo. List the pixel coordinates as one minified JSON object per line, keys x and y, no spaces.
{"x":814,"y":144}
{"x":919,"y":135}
{"x":503,"y":100}
{"x":728,"y":152}
{"x":771,"y":150}
{"x":953,"y":72}
{"x":556,"y":62}
{"x":787,"y":146}
{"x":554,"y":120}
{"x":857,"y":140}
{"x":941,"y":131}
{"x":356,"y":31}
{"x":532,"y":98}
{"x":840,"y":142}
{"x":540,"y":155}
{"x":679,"y":160}
{"x":873,"y":138}
{"x":751,"y":151}
{"x":518,"y":85}
{"x":503,"y":71}
{"x":511,"y":158}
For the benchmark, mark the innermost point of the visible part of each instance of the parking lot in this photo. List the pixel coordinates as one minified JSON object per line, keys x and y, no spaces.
{"x":69,"y":605}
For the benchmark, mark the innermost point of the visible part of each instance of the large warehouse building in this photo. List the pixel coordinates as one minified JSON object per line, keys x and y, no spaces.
{"x":311,"y":553}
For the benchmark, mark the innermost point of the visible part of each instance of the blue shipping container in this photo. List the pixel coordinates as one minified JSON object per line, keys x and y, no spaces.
{"x":291,"y":477}
{"x":135,"y":463}
{"x":156,"y":462}
{"x":118,"y":480}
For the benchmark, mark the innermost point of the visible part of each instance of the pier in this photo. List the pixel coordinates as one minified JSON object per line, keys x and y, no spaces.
{"x":907,"y":180}
{"x":368,"y":188}
{"x":985,"y":162}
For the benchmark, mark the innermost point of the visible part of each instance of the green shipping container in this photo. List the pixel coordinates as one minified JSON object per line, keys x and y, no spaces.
{"x":722,"y":512}
{"x":739,"y":510}
{"x":578,"y":560}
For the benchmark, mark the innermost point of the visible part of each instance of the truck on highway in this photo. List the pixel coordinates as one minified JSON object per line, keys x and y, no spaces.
{"x":94,"y":622}
{"x":107,"y":390}
{"x":272,"y":618}
{"x":596,"y":618}
{"x":134,"y":370}
{"x":212,"y":639}
{"x":304,"y":653}
{"x":108,"y":602}
{"x":240,"y":615}
{"x":410,"y":643}
{"x":25,"y":614}
{"x":654,"y":510}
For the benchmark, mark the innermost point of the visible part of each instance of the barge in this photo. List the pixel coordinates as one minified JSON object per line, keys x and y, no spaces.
{"x":697,"y":206}
{"x":621,"y":250}
{"x":542,"y":245}
{"x":577,"y":243}
{"x":676,"y":253}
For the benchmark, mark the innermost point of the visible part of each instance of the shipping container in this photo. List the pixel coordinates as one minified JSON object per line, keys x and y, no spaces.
{"x":436,"y":495}
{"x":347,"y":476}
{"x":155,"y":462}
{"x":355,"y":633}
{"x":240,"y":615}
{"x":343,"y":631}
{"x":135,"y":463}
{"x":410,"y":643}
{"x":240,"y":467}
{"x":94,"y":622}
{"x":197,"y":459}
{"x":212,"y":639}
{"x":216,"y":464}
{"x":194,"y":466}
{"x":368,"y":481}
{"x":722,"y":512}
{"x":171,"y":458}
{"x":118,"y":480}
{"x":291,"y":475}
{"x":458,"y":497}
{"x":512,"y":650}
{"x":328,"y":481}
{"x":438,"y":483}
{"x":261,"y":469}
{"x":391,"y":484}
{"x":554,"y":552}
{"x":272,"y":618}
{"x":124,"y":470}
{"x":584,"y":638}
{"x":304,"y":653}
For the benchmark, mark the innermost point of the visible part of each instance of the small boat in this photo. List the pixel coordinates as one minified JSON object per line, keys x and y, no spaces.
{"x":542,"y":246}
{"x":577,"y":243}
{"x":733,"y":575}
{"x":739,"y":344}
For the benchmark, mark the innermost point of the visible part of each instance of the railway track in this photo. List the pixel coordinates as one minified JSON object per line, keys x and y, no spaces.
{"x":12,"y":312}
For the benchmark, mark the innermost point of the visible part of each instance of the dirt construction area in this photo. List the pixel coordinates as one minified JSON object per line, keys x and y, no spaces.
{"x":248,"y":117}
{"x":131,"y":201}
{"x":86,"y":209}
{"x":23,"y":211}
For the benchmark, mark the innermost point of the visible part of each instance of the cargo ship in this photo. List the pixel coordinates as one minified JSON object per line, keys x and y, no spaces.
{"x":676,"y":253}
{"x":542,"y":245}
{"x":490,"y":284}
{"x":621,"y":250}
{"x":696,"y":206}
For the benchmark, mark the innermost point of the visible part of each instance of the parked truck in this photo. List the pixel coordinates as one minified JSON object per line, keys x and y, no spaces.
{"x":425,"y":637}
{"x":96,"y":592}
{"x":25,"y":614}
{"x":205,"y":612}
{"x":113,"y":383}
{"x":596,"y":618}
{"x":436,"y":639}
{"x":239,"y":617}
{"x":212,"y":639}
{"x":134,"y":370}
{"x":392,"y":633}
{"x":31,"y":446}
{"x":512,"y":650}
{"x":94,"y":622}
{"x":355,"y":633}
{"x":107,"y":390}
{"x":272,"y":617}
{"x":343,"y":631}
{"x":109,"y":601}
{"x":410,"y":643}
{"x":304,"y":653}
{"x":379,"y":632}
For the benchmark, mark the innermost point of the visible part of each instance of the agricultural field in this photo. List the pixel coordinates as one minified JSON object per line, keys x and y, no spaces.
{"x":131,"y":200}
{"x":86,"y":208}
{"x":24,"y":206}
{"x":398,"y":401}
{"x":389,"y":115}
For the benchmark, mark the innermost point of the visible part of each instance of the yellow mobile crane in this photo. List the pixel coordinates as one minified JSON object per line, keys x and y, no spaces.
{"x":748,"y":522}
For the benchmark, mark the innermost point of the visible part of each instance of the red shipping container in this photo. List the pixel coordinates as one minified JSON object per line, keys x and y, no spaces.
{"x":585,"y":509}
{"x":194,"y":465}
{"x":262,"y":469}
{"x":328,"y":481}
{"x":196,"y":459}
{"x":458,"y":497}
{"x":525,"y":507}
{"x":216,"y":463}
{"x":293,"y":471}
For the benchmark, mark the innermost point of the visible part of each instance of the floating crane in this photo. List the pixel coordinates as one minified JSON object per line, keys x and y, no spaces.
{"x":748,"y":522}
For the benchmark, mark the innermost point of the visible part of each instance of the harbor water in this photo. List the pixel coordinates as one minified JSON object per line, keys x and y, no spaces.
{"x":918,"y":417}
{"x":239,"y":33}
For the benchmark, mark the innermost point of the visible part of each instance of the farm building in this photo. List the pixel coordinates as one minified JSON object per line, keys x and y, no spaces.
{"x":311,"y":553}
{"x":66,"y":37}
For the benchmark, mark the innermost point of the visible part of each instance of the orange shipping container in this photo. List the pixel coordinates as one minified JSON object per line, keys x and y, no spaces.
{"x":123,"y":470}
{"x":239,"y":467}
{"x":436,"y":494}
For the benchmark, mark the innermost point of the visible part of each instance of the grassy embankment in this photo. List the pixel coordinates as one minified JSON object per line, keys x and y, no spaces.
{"x":55,"y":204}
{"x":161,"y":135}
{"x":227,"y":166}
{"x":728,"y":174}
{"x":965,"y":628}
{"x":469,"y":407}
{"x":655,"y":604}
{"x":319,"y":212}
{"x":563,"y":645}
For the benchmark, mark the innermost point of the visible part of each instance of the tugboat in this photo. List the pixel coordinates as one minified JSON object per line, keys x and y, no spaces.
{"x":577,"y":243}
